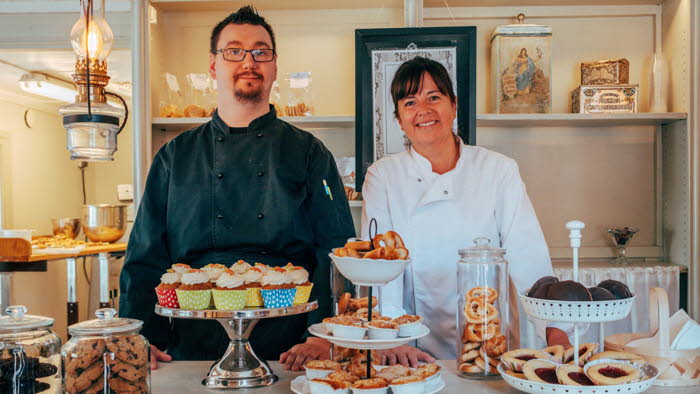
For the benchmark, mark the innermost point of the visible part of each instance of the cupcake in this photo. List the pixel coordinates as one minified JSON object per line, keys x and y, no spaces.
{"x":214,"y":271}
{"x":252,"y":279}
{"x":195,"y":290}
{"x":262,"y":267}
{"x":230,"y":292}
{"x":277,"y":290}
{"x":300,"y":277}
{"x":240,"y":267}
{"x":180,"y":268}
{"x":165,"y":291}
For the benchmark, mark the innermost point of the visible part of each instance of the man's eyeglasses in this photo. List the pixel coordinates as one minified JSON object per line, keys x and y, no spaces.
{"x":238,"y":54}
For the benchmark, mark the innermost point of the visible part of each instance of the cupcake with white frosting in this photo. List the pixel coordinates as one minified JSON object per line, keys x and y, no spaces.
{"x":300,"y":277}
{"x":230,"y":292}
{"x":278,"y":291}
{"x":214,"y":271}
{"x":195,"y":290}
{"x":252,"y":279}
{"x":240,"y":267}
{"x":165,"y":291}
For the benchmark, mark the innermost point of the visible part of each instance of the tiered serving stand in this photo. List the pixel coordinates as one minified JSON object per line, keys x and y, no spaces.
{"x":577,"y":313}
{"x":239,"y":368}
{"x":369,"y":273}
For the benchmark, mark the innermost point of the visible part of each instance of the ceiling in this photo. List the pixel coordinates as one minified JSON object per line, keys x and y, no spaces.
{"x":56,"y":63}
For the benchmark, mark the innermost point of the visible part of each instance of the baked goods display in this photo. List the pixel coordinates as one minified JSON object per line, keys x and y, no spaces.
{"x":106,"y":355}
{"x":29,"y":353}
{"x":330,"y":377}
{"x":387,"y":246}
{"x":483,"y":343}
{"x":233,"y":288}
{"x":382,"y":327}
{"x":601,"y":369}
{"x":550,"y":288}
{"x":60,"y":241}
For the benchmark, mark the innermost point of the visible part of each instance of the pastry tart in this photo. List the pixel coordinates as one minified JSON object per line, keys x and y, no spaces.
{"x":556,"y":353}
{"x":573,"y":375}
{"x":515,"y":359}
{"x":514,"y":374}
{"x":585,"y":351}
{"x":543,"y":371}
{"x":613,"y":373}
{"x":635,"y":359}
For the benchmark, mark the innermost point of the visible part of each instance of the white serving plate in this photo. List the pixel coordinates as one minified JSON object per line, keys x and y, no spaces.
{"x":300,"y":385}
{"x":369,"y":272}
{"x":537,"y":388}
{"x":321,"y":331}
{"x":577,"y":311}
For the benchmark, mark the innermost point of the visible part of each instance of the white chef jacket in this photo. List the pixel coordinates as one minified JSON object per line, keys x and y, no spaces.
{"x":436,"y":215}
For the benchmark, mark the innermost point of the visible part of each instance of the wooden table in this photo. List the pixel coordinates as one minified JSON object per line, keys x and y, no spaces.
{"x":37,"y":263}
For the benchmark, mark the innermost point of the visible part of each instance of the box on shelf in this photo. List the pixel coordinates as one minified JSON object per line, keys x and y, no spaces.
{"x":605,"y":72}
{"x":521,"y":68}
{"x":593,"y":99}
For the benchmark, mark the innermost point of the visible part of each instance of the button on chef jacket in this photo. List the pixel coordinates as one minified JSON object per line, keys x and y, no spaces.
{"x":436,"y":215}
{"x":215,"y":195}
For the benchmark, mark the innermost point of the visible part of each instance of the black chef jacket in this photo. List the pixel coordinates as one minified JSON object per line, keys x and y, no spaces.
{"x":217,"y":196}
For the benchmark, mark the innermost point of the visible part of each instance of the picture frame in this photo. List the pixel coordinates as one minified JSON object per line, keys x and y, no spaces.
{"x":378,"y":53}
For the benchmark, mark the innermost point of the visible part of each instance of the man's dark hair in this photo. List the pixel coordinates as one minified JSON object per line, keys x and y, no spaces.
{"x":409,"y":77}
{"x":247,"y":15}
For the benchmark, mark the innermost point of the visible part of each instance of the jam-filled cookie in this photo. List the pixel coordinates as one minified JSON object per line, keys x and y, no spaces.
{"x":556,"y":353}
{"x":613,"y":373}
{"x":516,"y":359}
{"x":542,"y":371}
{"x":620,"y":356}
{"x":573,"y":375}
{"x":585,"y":351}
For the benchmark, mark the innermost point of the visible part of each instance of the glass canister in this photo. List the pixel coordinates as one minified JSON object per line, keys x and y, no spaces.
{"x":29,"y":353}
{"x":482,"y":274}
{"x":106,"y":355}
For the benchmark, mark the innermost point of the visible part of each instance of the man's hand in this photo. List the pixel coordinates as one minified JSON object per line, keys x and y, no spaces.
{"x":556,"y":336}
{"x":157,"y":355}
{"x":405,"y":355}
{"x":312,"y":349}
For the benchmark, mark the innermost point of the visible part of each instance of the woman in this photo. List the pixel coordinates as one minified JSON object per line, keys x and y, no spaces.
{"x":439,"y":196}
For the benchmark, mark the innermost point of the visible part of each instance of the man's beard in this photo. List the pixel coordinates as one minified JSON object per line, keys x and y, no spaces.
{"x":248,"y":96}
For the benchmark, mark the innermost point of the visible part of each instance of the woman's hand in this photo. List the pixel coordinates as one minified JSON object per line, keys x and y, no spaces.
{"x":312,"y":349}
{"x":556,"y":336}
{"x":157,"y":355}
{"x":405,"y":355}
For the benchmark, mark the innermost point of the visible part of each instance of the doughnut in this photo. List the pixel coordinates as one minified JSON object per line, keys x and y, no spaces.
{"x":482,"y":293}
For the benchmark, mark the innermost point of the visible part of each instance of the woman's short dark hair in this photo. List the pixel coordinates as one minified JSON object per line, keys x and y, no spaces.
{"x":409,"y":76}
{"x":247,"y":15}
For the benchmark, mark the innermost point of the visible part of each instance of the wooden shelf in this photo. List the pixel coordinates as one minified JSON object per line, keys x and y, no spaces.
{"x":482,"y":120}
{"x":231,"y":6}
{"x":303,"y":122}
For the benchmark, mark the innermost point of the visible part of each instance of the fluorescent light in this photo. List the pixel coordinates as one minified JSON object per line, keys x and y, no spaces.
{"x":41,"y":85}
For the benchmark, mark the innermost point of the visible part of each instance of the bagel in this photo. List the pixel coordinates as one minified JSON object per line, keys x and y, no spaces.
{"x":482,"y":293}
{"x":478,"y":332}
{"x":477,"y":311}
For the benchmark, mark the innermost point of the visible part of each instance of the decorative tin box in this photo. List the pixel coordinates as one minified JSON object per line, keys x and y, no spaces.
{"x":593,"y":99}
{"x":521,"y":69}
{"x":605,"y":72}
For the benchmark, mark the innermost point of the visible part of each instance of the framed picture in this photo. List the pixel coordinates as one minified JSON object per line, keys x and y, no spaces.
{"x":378,"y":54}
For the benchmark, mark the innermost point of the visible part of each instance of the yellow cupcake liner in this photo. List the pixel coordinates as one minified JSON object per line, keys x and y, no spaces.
{"x":254,"y":297}
{"x":194,"y":299}
{"x":229,"y":300}
{"x":303,"y":294}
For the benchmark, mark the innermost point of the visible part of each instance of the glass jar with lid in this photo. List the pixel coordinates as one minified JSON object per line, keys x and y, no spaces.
{"x":482,"y":275}
{"x":29,"y":353}
{"x":105,"y":354}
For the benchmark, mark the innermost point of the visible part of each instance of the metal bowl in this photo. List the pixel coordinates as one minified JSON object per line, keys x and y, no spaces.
{"x":70,"y":227}
{"x":104,"y":222}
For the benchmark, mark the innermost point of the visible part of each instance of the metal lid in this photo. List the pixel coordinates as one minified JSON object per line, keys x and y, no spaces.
{"x":482,"y":251}
{"x":521,"y":29}
{"x":17,"y":321}
{"x":106,"y":323}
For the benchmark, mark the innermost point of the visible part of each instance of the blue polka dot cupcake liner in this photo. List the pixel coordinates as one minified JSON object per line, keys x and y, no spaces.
{"x":278,"y":298}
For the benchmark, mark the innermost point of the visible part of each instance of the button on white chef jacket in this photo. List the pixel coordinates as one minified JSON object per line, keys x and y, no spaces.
{"x":436,"y":215}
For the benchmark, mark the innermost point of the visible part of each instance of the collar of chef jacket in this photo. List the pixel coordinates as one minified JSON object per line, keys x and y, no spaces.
{"x":438,"y":187}
{"x":257,"y":124}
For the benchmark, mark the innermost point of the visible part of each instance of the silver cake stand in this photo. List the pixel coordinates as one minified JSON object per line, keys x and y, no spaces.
{"x":239,"y":367}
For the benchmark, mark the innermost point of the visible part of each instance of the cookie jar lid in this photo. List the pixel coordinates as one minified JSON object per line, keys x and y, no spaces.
{"x":17,"y":320}
{"x":521,"y":29}
{"x":106,"y":323}
{"x":482,"y":252}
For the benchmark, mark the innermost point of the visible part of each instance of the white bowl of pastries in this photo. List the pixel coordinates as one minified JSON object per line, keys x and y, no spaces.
{"x":372,"y":263}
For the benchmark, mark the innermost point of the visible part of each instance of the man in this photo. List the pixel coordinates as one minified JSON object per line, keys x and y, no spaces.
{"x":245,"y":185}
